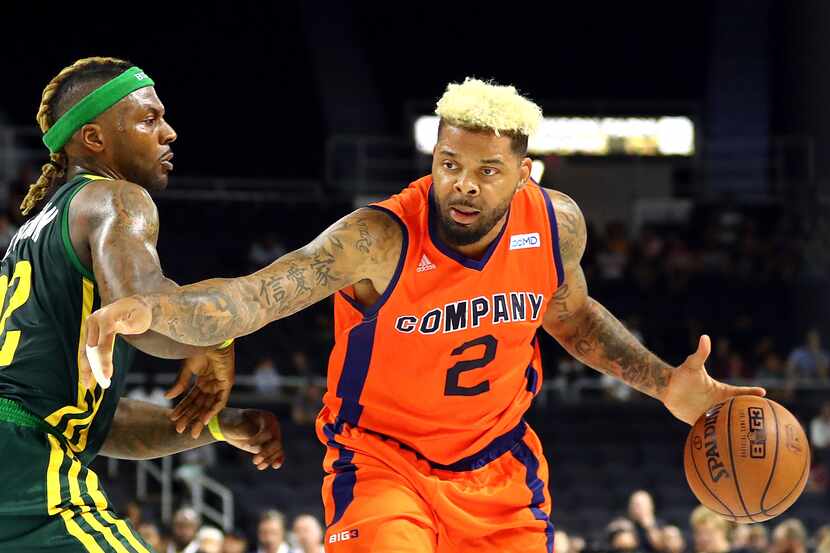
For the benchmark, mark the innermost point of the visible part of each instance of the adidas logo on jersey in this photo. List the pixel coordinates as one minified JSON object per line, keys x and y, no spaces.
{"x":425,"y":264}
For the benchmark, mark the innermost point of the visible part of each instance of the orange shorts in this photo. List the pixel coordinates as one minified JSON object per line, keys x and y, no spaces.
{"x":381,"y":496}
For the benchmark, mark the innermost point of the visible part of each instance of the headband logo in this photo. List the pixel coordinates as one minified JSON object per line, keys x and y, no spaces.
{"x":140,"y":76}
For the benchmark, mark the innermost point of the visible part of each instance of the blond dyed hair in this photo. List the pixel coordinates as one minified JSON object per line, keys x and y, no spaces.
{"x":480,"y":105}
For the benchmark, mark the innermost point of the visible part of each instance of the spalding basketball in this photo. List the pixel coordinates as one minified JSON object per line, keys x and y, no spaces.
{"x":747,"y":459}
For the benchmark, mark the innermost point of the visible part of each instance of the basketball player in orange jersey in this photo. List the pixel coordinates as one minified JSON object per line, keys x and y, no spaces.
{"x":439,"y":292}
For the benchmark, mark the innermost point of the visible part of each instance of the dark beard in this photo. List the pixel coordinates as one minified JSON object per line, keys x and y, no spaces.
{"x":460,"y":235}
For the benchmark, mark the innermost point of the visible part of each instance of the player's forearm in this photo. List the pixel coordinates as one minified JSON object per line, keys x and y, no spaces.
{"x":596,"y":338}
{"x":151,"y":343}
{"x":159,"y":345}
{"x":207,"y":312}
{"x":142,"y":430}
{"x":212,"y":311}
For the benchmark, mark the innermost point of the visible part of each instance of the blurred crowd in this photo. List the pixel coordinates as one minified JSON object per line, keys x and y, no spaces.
{"x":642,"y":531}
{"x":188,"y":534}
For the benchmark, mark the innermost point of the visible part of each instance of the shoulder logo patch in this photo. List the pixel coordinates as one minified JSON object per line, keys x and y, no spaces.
{"x":524,"y":241}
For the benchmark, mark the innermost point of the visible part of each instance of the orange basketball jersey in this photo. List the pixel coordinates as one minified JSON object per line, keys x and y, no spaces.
{"x":446,"y":362}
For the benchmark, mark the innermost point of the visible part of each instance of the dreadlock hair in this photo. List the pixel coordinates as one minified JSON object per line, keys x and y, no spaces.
{"x":65,"y":90}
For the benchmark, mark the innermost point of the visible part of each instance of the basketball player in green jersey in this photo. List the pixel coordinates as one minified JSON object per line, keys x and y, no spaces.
{"x":92,"y":243}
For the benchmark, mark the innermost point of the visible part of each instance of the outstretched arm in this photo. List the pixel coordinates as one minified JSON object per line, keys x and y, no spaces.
{"x":598,"y":339}
{"x":362,"y":246}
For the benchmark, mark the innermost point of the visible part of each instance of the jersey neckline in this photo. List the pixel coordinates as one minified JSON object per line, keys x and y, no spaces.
{"x":444,"y":248}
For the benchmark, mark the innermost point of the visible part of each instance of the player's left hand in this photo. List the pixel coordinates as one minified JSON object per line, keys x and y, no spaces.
{"x":257,"y":432}
{"x":691,"y":391}
{"x":215,"y":374}
{"x":123,"y":316}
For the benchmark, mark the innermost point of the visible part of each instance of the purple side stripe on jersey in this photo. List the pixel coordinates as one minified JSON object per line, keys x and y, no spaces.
{"x":362,"y":339}
{"x":525,"y":456}
{"x":345,"y":478}
{"x":554,"y":232}
{"x":531,"y":373}
{"x":532,"y":379}
{"x":355,"y":370}
{"x":344,"y":482}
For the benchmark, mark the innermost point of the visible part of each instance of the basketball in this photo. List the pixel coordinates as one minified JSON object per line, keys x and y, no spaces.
{"x":747,"y":459}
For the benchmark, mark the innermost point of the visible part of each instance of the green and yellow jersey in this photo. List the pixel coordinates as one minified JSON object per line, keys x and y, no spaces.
{"x":47,"y":294}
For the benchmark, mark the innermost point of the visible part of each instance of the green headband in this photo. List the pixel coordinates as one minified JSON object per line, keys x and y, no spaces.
{"x":94,"y":104}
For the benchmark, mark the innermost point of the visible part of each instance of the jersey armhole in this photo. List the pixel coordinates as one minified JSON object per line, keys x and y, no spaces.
{"x":68,"y":248}
{"x":348,"y":294}
{"x":554,"y":235}
{"x":371,"y":311}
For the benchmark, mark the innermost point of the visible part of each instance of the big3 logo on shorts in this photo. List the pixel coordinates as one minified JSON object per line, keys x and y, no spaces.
{"x":345,"y":535}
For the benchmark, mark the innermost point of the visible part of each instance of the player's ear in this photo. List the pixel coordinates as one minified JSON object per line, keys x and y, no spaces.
{"x":524,"y":172}
{"x":91,"y":137}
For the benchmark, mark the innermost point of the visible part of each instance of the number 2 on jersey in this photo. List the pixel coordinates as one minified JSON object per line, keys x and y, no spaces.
{"x":451,"y":385}
{"x":23,"y":275}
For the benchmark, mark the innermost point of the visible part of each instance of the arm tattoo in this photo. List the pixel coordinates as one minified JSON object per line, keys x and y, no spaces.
{"x":296,"y":275}
{"x":568,"y":239}
{"x":321,"y":265}
{"x":335,"y":242}
{"x":271,"y":290}
{"x":560,"y":302}
{"x":571,"y":226}
{"x":600,"y":341}
{"x":125,"y":231}
{"x":365,"y":242}
{"x":363,"y":245}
